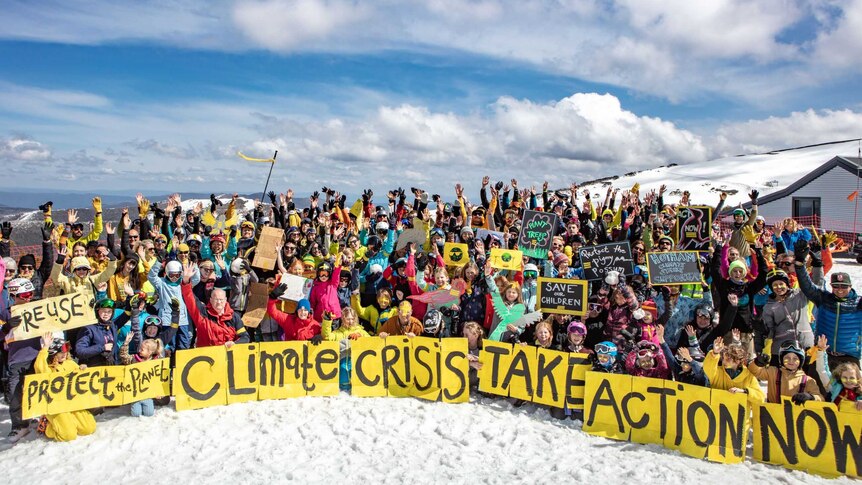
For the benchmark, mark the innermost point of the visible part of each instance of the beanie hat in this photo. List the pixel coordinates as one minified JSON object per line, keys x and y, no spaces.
{"x":27,"y":259}
{"x":303,"y":304}
{"x":80,"y":262}
{"x":738,"y":264}
{"x":649,"y":307}
{"x":560,"y":258}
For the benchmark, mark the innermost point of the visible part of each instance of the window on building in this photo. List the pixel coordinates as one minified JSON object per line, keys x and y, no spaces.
{"x":806,"y":207}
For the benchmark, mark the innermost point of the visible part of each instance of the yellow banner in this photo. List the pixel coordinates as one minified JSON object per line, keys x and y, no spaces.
{"x":697,"y":421}
{"x":250,"y":159}
{"x":55,"y":393}
{"x":55,"y":314}
{"x":510,"y":259}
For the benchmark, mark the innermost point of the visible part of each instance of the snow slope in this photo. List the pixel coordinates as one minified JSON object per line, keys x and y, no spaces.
{"x":736,"y":175}
{"x":318,"y":440}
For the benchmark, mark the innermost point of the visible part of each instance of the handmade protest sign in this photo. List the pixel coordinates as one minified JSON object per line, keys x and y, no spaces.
{"x":597,"y":261}
{"x":543,"y":376}
{"x":55,"y":314}
{"x":817,"y":437}
{"x":694,"y":228}
{"x":509,"y":259}
{"x":415,"y":235}
{"x":255,"y":310}
{"x":265,"y":253}
{"x":55,"y":393}
{"x":456,"y":254}
{"x":559,"y":295}
{"x":537,"y":229}
{"x":298,"y":287}
{"x":697,"y":421}
{"x":674,"y":268}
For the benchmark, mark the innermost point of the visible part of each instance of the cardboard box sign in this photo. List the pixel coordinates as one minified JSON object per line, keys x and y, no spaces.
{"x":559,"y":295}
{"x":258,"y":297}
{"x":674,"y":268}
{"x":597,"y":261}
{"x":265,"y":253}
{"x":416,"y":235}
{"x":58,"y":313}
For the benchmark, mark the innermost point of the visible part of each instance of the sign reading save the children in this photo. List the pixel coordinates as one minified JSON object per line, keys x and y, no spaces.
{"x":537,"y":229}
{"x":559,"y":295}
{"x":59,"y":313}
{"x":597,"y":261}
{"x":674,"y":267}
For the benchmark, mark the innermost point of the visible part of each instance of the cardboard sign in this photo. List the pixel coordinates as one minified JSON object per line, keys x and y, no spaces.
{"x":559,"y":295}
{"x":415,"y":235}
{"x":597,"y":261}
{"x":456,"y":254}
{"x":255,"y":310}
{"x":55,"y":314}
{"x":694,"y":228}
{"x":537,"y":229}
{"x":509,"y":259}
{"x":297,"y":287}
{"x":674,"y":268}
{"x":265,"y":253}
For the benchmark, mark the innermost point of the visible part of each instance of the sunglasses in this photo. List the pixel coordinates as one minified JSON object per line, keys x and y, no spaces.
{"x":26,"y":267}
{"x":184,"y":252}
{"x":785,"y":263}
{"x":132,"y":236}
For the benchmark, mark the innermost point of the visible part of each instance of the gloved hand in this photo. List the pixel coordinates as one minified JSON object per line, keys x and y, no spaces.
{"x":143,"y":208}
{"x":175,"y":305}
{"x":6,"y":229}
{"x":753,"y":196}
{"x":46,"y":208}
{"x":612,"y":278}
{"x":401,"y":195}
{"x":762,"y":360}
{"x":499,"y":186}
{"x":47,"y":229}
{"x":214,"y":203}
{"x":748,"y":234}
{"x":14,"y":321}
{"x":828,"y":239}
{"x":271,"y":195}
{"x":316,"y":339}
{"x":801,"y":397}
{"x":245,"y":266}
{"x":352,"y":336}
{"x":801,"y":250}
{"x":816,"y":244}
{"x":158,"y":212}
{"x":97,"y":204}
{"x":278,"y":291}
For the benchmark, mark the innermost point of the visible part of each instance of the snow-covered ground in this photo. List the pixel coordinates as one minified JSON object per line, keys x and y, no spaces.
{"x":363,"y":440}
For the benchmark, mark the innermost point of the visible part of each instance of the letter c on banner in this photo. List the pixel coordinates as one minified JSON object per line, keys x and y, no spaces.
{"x":187,"y":386}
{"x":644,"y":420}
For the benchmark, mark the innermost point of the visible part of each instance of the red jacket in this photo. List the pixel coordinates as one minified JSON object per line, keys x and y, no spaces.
{"x":294,"y":328}
{"x":212,"y":328}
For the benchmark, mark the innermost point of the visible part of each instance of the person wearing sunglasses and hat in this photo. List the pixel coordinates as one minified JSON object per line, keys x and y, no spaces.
{"x":838,"y":312}
{"x":81,"y":279}
{"x":76,"y":229}
{"x":785,"y":316}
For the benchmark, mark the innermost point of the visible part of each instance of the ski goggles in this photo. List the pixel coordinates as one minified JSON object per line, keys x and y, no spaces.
{"x":152,"y":320}
{"x":646,"y":353}
{"x":25,"y":296}
{"x":531,"y":275}
{"x":604,"y":349}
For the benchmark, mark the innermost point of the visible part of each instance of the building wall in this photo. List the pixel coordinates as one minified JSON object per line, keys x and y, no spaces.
{"x":832,"y":187}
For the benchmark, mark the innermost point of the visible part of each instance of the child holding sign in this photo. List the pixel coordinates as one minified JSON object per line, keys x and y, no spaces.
{"x":731,"y":375}
{"x":54,"y":358}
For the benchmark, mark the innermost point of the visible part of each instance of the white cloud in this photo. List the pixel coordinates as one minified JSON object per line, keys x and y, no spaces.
{"x":23,"y":149}
{"x":285,"y":25}
{"x":839,"y":45}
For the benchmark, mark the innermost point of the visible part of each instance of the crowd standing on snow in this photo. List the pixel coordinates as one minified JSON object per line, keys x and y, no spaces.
{"x":166,"y":280}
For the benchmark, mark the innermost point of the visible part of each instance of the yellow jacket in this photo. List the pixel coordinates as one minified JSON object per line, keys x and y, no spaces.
{"x":371,"y":314}
{"x":41,"y":365}
{"x":92,"y":236}
{"x":719,"y":379}
{"x":74,"y":284}
{"x":340,"y":333}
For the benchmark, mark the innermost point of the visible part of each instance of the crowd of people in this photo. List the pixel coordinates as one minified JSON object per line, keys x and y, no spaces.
{"x":164,"y":279}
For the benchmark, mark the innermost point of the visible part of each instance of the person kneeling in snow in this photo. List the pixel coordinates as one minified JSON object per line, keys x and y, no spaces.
{"x":54,"y":358}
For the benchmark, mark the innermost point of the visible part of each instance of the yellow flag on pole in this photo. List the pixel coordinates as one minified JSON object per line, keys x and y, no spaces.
{"x":264,"y":160}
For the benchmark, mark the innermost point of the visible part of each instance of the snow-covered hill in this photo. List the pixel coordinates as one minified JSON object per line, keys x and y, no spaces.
{"x":735,"y":175}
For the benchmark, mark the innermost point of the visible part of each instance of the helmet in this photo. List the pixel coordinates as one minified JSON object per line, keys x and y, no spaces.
{"x":777,"y":275}
{"x":791,"y":347}
{"x":20,"y":286}
{"x":173,"y":267}
{"x":577,"y":327}
{"x":382,"y":226}
{"x":104,"y":303}
{"x":151,"y":321}
{"x":437,"y":232}
{"x":606,"y":348}
{"x":57,"y":345}
{"x":704,"y":309}
{"x":739,"y":212}
{"x":247,"y":224}
{"x":646,"y":348}
{"x":236,"y":266}
{"x":194,"y":238}
{"x":325,"y":266}
{"x":373,"y":242}
{"x":433,"y":322}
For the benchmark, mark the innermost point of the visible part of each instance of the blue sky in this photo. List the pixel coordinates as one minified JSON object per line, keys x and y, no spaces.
{"x":160,"y":95}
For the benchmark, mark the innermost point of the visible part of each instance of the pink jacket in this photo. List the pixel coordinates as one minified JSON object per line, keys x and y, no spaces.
{"x":660,"y":371}
{"x":324,"y":296}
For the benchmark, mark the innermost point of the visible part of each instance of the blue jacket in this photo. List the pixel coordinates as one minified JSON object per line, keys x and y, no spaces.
{"x":167,"y":290}
{"x":90,"y":346}
{"x":790,"y":238}
{"x":839,"y":319}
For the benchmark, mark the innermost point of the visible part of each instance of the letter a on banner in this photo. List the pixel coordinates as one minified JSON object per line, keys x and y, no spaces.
{"x":199,"y":378}
{"x":603,"y":415}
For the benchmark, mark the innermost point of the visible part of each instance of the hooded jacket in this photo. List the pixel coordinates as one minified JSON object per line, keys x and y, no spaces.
{"x":294,"y":328}
{"x":840,"y":319}
{"x":212,"y":328}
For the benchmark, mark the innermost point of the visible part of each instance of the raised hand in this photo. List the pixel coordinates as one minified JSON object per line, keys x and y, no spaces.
{"x":109,"y":228}
{"x":718,"y":346}
{"x":689,"y":330}
{"x":486,"y":180}
{"x":72,"y":216}
{"x":6,"y":229}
